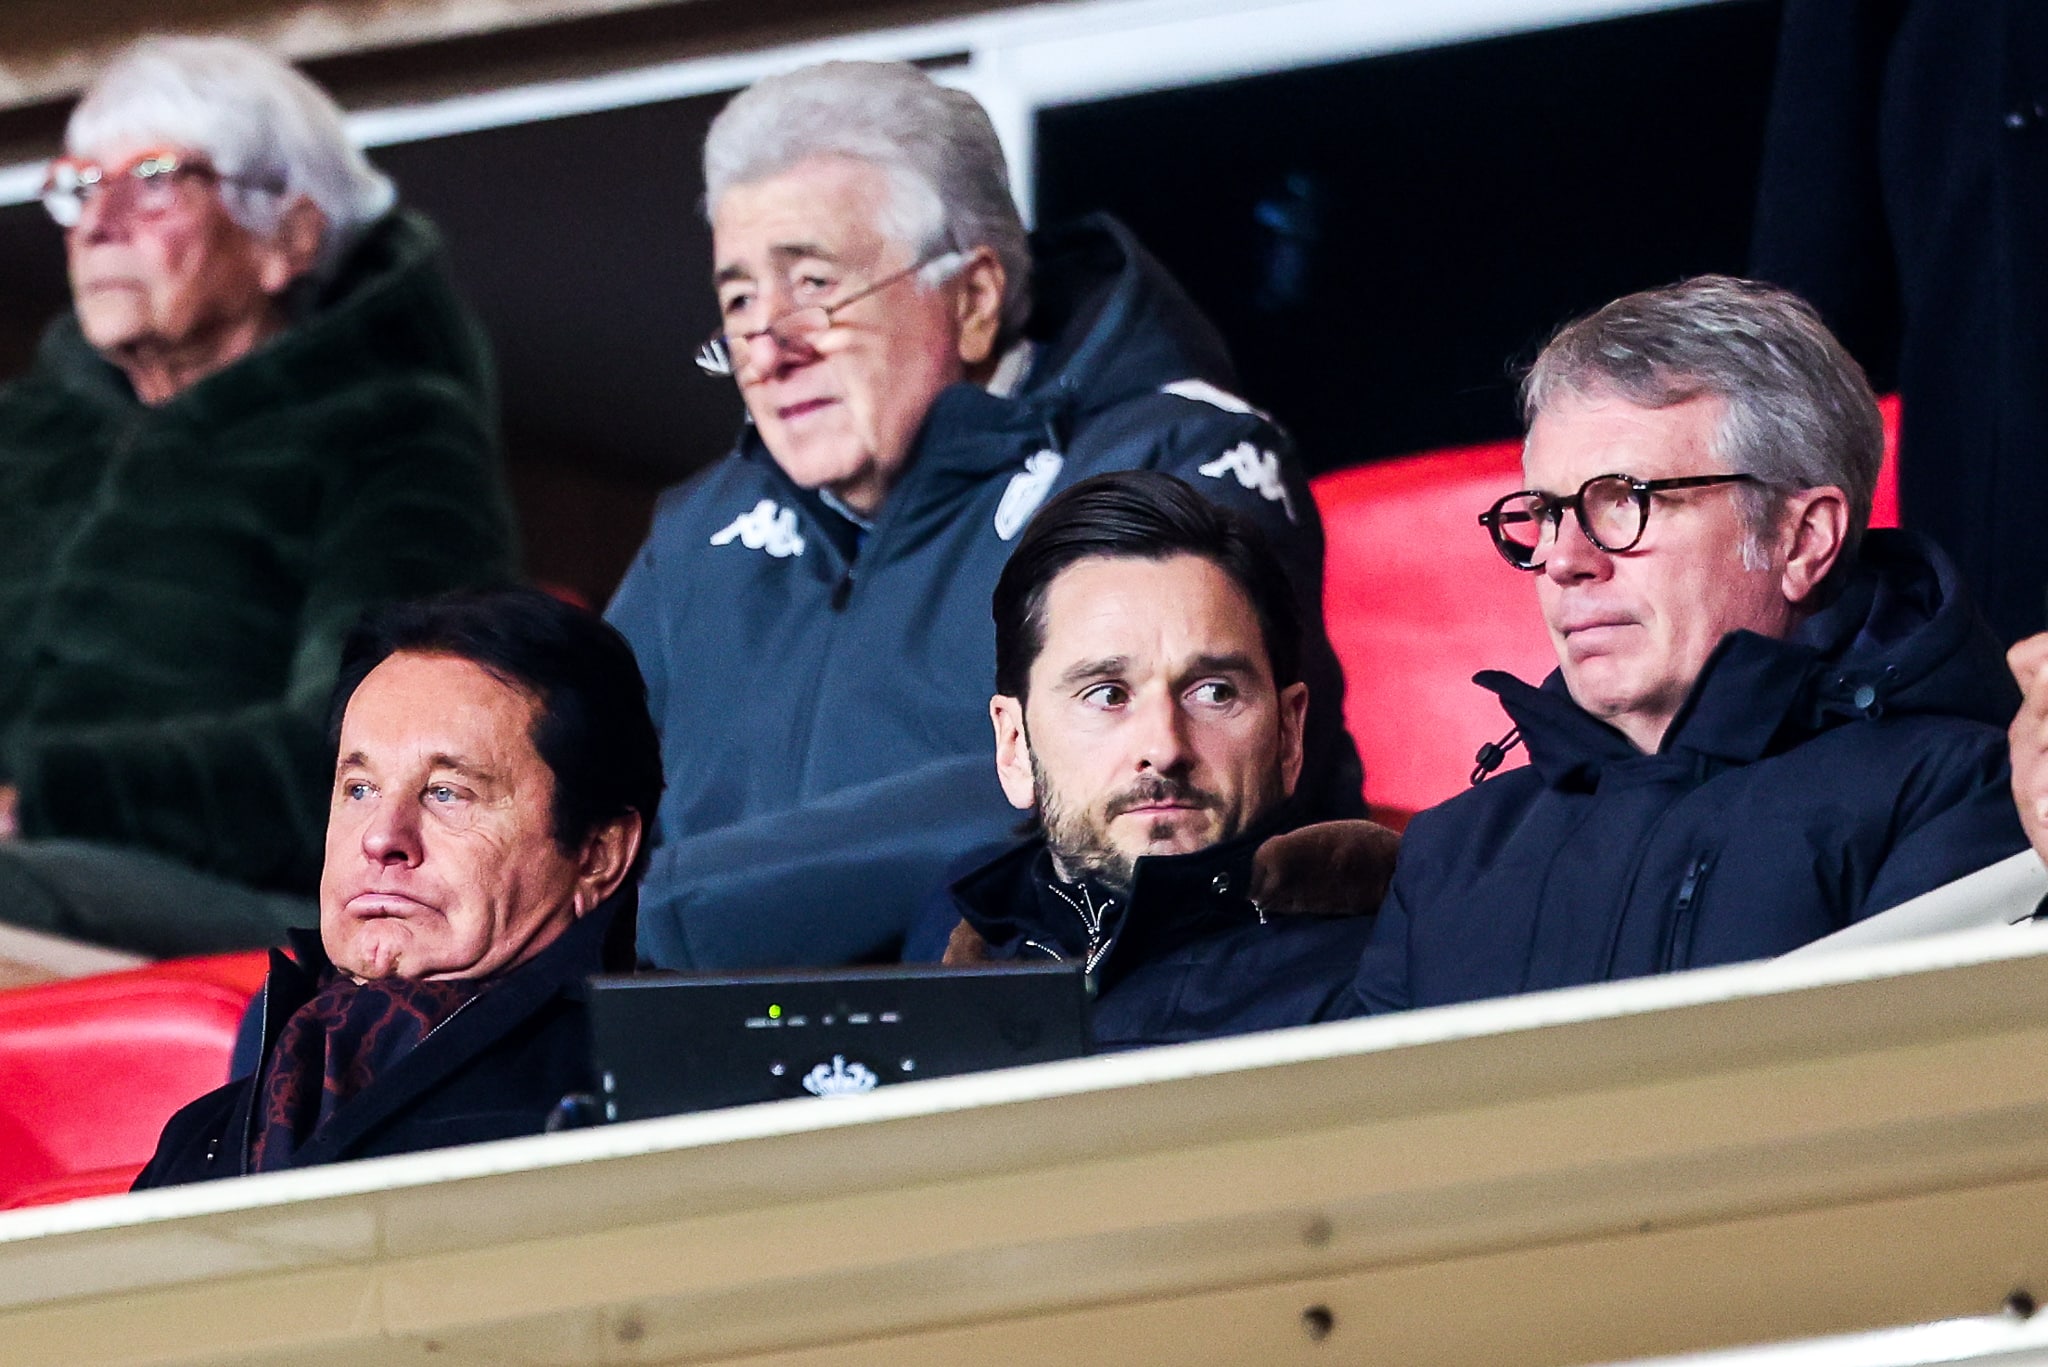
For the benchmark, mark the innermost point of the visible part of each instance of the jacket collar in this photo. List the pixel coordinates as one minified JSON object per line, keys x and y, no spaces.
{"x":389,"y":307}
{"x":560,"y":968}
{"x":1174,"y":899}
{"x":1901,"y":636}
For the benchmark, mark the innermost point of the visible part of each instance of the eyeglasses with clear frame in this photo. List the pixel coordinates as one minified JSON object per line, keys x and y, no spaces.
{"x":726,"y":353}
{"x":1612,"y":510}
{"x":149,"y":181}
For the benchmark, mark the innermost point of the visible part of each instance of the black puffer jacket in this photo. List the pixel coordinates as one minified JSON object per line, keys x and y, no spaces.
{"x":1805,"y":784}
{"x":1185,"y":956}
{"x":824,"y":720}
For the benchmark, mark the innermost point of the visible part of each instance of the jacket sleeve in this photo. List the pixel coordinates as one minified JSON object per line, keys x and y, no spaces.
{"x":836,"y":881}
{"x":1955,"y":816}
{"x":241,"y":792}
{"x":1236,"y":457}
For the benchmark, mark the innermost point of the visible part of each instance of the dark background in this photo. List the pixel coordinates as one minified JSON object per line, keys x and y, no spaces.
{"x":1380,"y":241}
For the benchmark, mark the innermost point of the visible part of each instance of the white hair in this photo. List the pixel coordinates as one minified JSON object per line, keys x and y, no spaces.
{"x":261,"y":123}
{"x":949,"y":186}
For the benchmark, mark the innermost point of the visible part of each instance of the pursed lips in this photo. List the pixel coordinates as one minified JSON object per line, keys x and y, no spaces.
{"x":803,"y":408}
{"x":385,"y":903}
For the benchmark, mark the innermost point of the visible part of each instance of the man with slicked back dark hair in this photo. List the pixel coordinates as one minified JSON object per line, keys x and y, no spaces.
{"x":1149,"y":715}
{"x":495,"y":774}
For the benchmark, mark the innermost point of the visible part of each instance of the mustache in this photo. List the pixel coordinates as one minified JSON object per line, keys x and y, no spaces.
{"x":1155,"y":788}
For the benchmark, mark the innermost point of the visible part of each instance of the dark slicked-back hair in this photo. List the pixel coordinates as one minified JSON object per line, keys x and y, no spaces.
{"x":593,"y":732}
{"x":1143,"y":515}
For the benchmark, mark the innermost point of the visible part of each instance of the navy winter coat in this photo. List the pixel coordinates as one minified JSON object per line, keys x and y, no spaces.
{"x":824,"y":720}
{"x":1805,"y":784}
{"x":1189,"y":958}
{"x":496,"y":1069}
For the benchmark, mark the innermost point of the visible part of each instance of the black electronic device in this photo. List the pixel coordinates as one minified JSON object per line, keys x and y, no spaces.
{"x":665,"y":1043}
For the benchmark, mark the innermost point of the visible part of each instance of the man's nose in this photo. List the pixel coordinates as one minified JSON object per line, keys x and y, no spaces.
{"x":1571,"y":555}
{"x":1161,"y":738}
{"x":98,"y":217}
{"x":392,"y":834}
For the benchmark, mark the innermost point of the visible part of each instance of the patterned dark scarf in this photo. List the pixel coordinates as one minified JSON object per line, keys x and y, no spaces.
{"x":335,"y":1046}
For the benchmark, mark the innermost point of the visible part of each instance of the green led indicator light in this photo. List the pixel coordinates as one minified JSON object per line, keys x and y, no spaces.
{"x":775,"y":1013}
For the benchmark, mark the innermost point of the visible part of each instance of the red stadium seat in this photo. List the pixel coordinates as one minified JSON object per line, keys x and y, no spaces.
{"x":1418,"y":602}
{"x":90,"y":1069}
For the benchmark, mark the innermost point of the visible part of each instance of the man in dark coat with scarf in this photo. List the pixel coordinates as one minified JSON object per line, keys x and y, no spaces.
{"x":1766,"y":723}
{"x":495,"y":773}
{"x":1149,"y":714}
{"x":812,"y":612}
{"x":266,"y":412}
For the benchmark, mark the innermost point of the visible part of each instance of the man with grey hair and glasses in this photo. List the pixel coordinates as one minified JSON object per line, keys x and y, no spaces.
{"x":1767,"y":722}
{"x":266,"y":412}
{"x":919,"y":376}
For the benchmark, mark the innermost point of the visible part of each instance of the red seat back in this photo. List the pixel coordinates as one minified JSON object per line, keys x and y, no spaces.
{"x":90,"y":1069}
{"x":1418,"y":602}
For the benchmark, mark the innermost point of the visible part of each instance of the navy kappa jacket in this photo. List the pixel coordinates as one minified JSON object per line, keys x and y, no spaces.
{"x":1188,"y":957}
{"x":496,"y":1069}
{"x":824,"y":719}
{"x":1806,"y":784}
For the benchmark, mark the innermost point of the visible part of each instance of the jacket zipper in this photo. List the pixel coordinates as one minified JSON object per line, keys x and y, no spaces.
{"x":1684,"y":911}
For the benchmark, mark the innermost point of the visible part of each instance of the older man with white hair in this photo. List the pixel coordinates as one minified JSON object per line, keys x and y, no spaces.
{"x":1767,"y":722}
{"x":812,"y":613}
{"x":266,"y":412}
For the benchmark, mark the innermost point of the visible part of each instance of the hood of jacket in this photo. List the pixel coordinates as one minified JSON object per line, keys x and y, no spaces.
{"x":1901,"y":638}
{"x":1107,"y":323}
{"x":389,"y":309}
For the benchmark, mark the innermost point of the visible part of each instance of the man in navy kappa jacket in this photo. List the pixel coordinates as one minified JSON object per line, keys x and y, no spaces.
{"x":812,"y":612}
{"x":1766,"y":723}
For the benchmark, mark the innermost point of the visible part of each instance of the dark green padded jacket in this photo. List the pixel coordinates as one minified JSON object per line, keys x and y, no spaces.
{"x":176,"y":581}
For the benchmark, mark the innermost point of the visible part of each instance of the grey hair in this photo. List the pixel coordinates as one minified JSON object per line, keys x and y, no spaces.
{"x":255,"y":118}
{"x":949,"y":185}
{"x":1796,"y":410}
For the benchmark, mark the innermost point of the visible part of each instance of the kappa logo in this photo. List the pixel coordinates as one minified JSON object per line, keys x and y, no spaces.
{"x":1255,"y":469}
{"x":1028,"y":488}
{"x":768,"y":526}
{"x":840,"y":1078}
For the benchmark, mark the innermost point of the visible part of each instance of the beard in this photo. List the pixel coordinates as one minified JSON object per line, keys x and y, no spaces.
{"x":1080,"y":839}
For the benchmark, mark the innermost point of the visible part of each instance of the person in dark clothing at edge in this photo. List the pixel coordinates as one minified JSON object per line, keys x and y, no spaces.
{"x":267,"y":411}
{"x":496,"y":769}
{"x":812,"y":612}
{"x":1766,"y":722}
{"x":1149,"y":714}
{"x":1904,"y":192}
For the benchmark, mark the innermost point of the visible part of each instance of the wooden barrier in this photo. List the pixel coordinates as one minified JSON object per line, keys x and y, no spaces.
{"x":1805,"y":1147}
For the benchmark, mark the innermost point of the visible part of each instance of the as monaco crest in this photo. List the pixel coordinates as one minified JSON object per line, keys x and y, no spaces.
{"x":840,"y":1078}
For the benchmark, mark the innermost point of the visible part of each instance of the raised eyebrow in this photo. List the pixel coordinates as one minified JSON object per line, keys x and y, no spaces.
{"x":456,"y":765}
{"x":1092,"y":671}
{"x":1232,"y":663}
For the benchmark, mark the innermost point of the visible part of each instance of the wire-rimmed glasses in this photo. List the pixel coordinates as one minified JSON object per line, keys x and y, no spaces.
{"x":149,"y":181}
{"x":727,"y":353}
{"x":1612,"y":510}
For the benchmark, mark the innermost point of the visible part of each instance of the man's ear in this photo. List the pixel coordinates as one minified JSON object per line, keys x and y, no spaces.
{"x":1013,"y":752}
{"x":979,"y":306}
{"x":1814,"y":527}
{"x":292,"y":249}
{"x":606,"y":860}
{"x":1293,"y":717}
